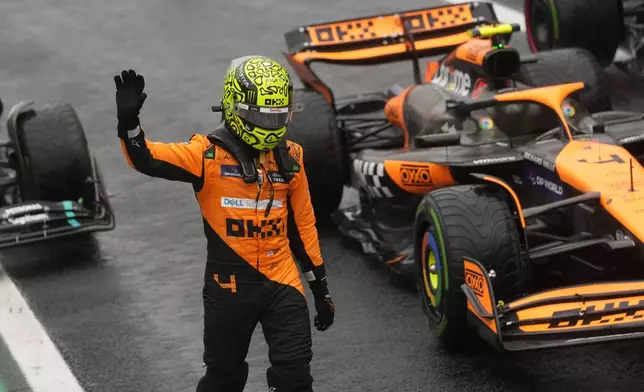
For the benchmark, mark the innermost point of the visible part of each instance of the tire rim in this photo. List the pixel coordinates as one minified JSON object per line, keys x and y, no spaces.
{"x":540,"y":25}
{"x":432,"y":274}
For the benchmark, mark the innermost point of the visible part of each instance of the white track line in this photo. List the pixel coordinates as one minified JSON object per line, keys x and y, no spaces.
{"x":38,"y":358}
{"x":504,"y":13}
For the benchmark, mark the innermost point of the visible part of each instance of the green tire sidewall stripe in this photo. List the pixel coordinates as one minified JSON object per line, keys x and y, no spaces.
{"x":441,"y":243}
{"x":439,"y":232}
{"x":555,"y":18}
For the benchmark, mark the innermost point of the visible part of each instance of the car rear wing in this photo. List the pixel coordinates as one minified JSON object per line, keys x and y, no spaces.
{"x":568,"y":316}
{"x":35,"y":221}
{"x":383,"y":38}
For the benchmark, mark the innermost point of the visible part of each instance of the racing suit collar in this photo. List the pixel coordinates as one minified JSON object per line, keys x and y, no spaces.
{"x":246,"y":156}
{"x":227,"y":140}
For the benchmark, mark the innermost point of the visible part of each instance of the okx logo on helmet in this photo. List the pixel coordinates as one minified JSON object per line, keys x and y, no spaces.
{"x":258,"y":101}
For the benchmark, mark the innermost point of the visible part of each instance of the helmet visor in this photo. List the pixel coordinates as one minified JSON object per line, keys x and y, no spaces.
{"x":264,"y":117}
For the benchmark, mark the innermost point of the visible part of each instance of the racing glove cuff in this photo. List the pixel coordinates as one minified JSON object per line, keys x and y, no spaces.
{"x":316,"y":279}
{"x":323,"y":303}
{"x":127,"y":134}
{"x":127,"y":123}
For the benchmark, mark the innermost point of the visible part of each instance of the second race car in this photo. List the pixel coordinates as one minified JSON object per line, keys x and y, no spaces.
{"x":50,"y":181}
{"x":612,"y":30}
{"x":504,"y":185}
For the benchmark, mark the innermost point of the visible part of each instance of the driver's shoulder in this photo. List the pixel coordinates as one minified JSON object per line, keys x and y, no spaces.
{"x":294,"y":149}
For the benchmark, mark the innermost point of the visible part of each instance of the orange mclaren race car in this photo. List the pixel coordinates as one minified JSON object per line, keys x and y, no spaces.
{"x":503,"y":184}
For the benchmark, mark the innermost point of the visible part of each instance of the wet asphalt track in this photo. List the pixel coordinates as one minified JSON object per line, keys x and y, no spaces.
{"x":125,"y":310}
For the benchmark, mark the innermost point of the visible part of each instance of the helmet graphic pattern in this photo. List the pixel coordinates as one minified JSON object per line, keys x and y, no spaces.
{"x":256,"y":80}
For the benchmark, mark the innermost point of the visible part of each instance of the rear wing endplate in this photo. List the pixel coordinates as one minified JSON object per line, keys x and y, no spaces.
{"x":383,"y":38}
{"x":568,"y":316}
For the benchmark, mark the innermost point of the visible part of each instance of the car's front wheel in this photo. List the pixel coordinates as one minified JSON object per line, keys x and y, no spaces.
{"x":56,"y":158}
{"x":452,"y":223}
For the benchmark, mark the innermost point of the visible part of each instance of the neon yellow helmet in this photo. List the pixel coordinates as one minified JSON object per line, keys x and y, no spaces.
{"x":258,"y":101}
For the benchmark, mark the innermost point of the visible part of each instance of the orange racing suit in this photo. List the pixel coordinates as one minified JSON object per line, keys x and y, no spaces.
{"x":253,"y":230}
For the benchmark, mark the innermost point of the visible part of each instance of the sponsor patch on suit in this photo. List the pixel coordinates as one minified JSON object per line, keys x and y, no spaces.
{"x":231,"y":171}
{"x":276,"y":177}
{"x":235,"y":202}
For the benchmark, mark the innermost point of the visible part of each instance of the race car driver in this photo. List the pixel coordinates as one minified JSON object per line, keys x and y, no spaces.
{"x":253,"y":194}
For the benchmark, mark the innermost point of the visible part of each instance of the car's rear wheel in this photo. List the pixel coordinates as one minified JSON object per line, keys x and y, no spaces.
{"x":594,"y":25}
{"x":473,"y":221}
{"x":568,"y":66}
{"x":56,"y":159}
{"x":314,"y":127}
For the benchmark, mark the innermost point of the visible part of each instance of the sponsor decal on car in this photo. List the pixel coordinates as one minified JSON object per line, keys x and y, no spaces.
{"x":595,"y":315}
{"x":476,"y":282}
{"x":631,"y":139}
{"x":415,"y":175}
{"x":21,"y":210}
{"x":547,"y":184}
{"x":485,"y":124}
{"x":234,"y":202}
{"x":453,"y":79}
{"x":539,"y":161}
{"x":487,"y":161}
{"x":28,"y":219}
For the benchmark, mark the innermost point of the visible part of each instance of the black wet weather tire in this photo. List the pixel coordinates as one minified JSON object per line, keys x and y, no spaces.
{"x":56,"y":156}
{"x":314,"y":127}
{"x":594,"y":25}
{"x":473,"y":221}
{"x":569,"y":66}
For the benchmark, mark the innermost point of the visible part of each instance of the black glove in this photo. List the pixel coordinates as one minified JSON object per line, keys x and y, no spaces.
{"x":129,"y":99}
{"x":323,"y":305}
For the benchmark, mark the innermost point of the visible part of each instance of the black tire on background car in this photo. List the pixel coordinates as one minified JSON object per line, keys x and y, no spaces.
{"x":594,"y":25}
{"x":57,"y":159}
{"x":314,"y":127}
{"x":568,"y":66}
{"x":473,"y":221}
